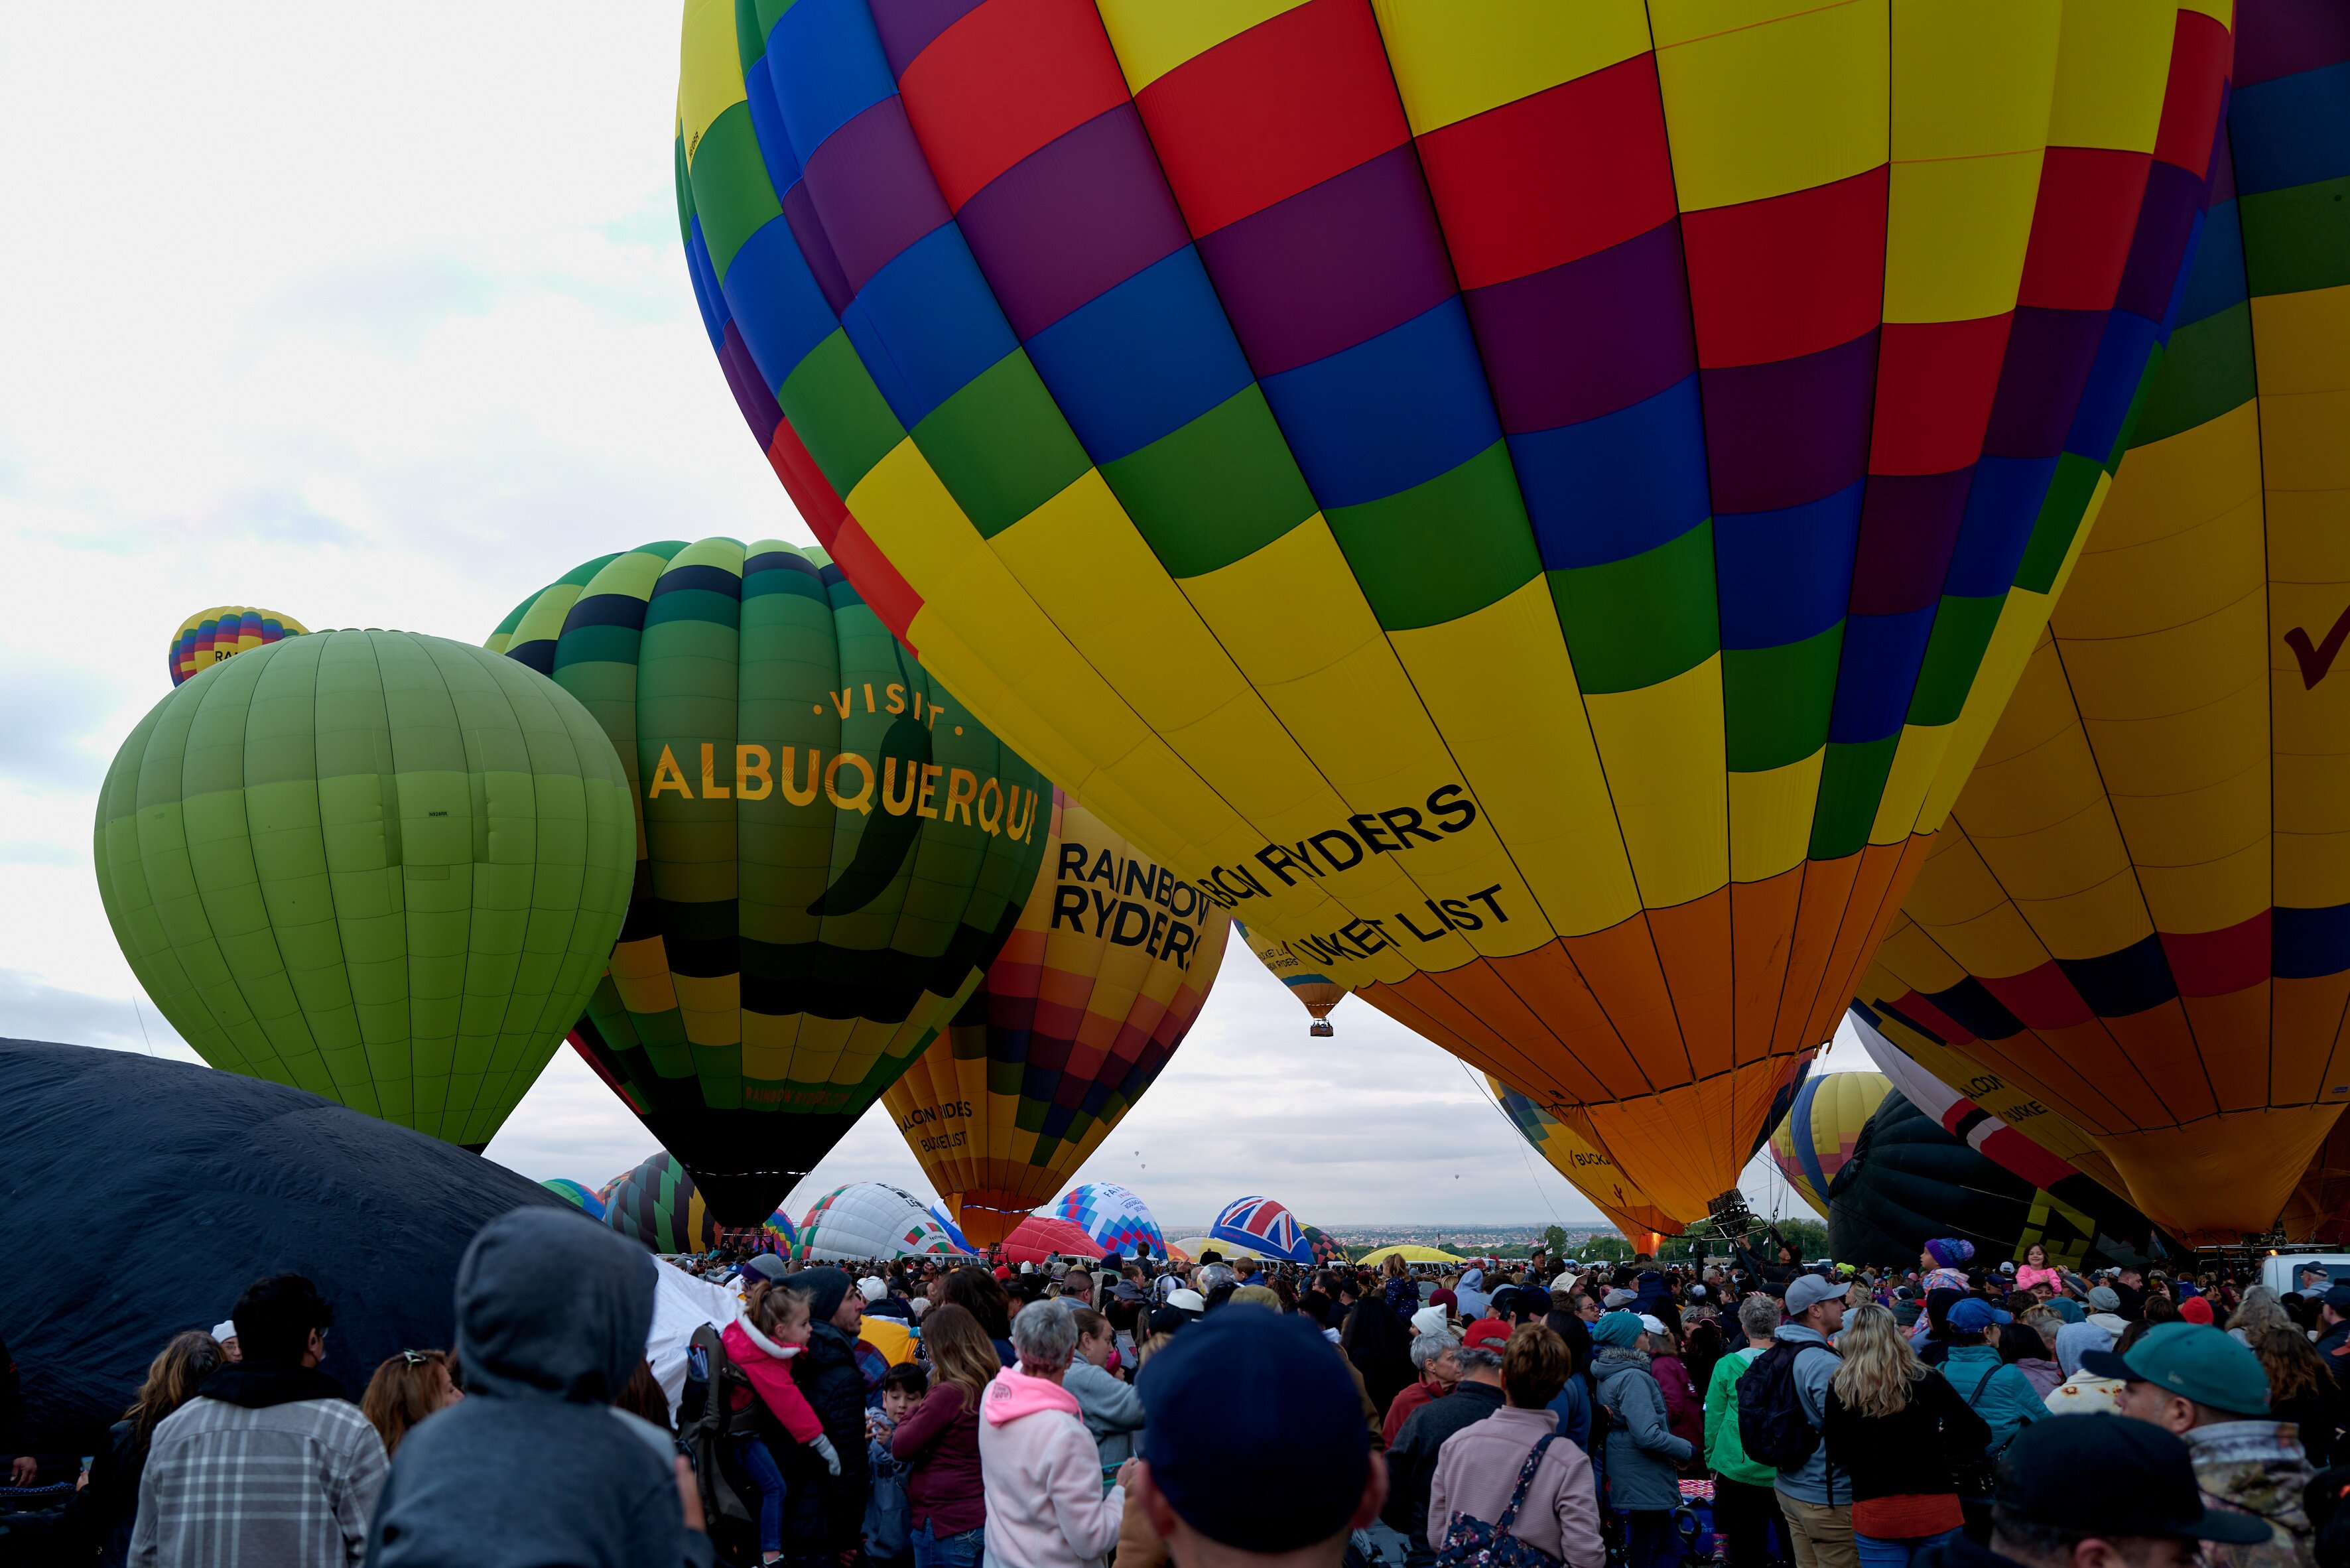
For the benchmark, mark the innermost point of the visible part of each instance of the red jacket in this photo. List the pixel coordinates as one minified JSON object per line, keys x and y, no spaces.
{"x":939,"y":1438}
{"x":1411,"y":1399}
{"x":768,"y":1365}
{"x":1684,"y":1406}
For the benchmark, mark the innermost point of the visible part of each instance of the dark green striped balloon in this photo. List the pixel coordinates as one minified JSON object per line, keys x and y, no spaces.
{"x":383,"y":867}
{"x":832,"y":850}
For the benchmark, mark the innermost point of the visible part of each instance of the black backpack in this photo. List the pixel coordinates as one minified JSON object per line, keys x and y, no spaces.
{"x":706,"y":1429}
{"x":1771,"y":1425}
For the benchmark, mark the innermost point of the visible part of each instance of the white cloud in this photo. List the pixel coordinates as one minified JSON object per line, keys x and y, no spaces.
{"x":385,"y":323}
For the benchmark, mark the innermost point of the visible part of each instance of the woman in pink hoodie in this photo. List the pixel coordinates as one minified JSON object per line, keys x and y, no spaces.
{"x":1046,"y":1506}
{"x":772,"y":1327}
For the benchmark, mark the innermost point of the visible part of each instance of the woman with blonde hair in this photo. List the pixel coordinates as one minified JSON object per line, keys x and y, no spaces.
{"x":104,"y":1511}
{"x":406,"y":1389}
{"x":1892,"y":1425}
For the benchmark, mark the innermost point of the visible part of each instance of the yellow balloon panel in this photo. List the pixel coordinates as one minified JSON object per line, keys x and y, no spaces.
{"x":2138,"y":915}
{"x":1553,"y":593}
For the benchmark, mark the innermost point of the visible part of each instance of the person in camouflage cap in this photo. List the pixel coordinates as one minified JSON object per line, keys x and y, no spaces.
{"x":2195,"y":1381}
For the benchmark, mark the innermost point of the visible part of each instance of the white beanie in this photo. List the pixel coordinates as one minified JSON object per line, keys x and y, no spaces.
{"x":1431,"y":1320}
{"x":871,"y":1288}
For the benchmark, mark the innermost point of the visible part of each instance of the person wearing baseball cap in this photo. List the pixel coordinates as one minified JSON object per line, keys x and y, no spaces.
{"x":2097,"y":1494}
{"x":1816,"y":1502}
{"x":1992,"y":1386}
{"x":2196,"y":1383}
{"x":2333,"y":1340}
{"x":1293,"y":1481}
{"x":1412,"y":1457}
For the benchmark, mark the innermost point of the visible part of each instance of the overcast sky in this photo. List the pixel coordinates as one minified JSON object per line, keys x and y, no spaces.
{"x":388,"y":325}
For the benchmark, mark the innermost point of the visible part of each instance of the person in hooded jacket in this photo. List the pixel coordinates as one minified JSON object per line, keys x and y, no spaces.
{"x":1643,"y":1455}
{"x":826,"y":1512}
{"x":771,"y":1329}
{"x":535,"y":1466}
{"x":1046,"y":1506}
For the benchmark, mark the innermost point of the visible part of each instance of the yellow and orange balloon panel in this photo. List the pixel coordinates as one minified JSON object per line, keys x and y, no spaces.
{"x":2140,"y":910}
{"x":1559,"y":589}
{"x":209,"y":636}
{"x":1094,"y":988}
{"x":1589,"y":1170}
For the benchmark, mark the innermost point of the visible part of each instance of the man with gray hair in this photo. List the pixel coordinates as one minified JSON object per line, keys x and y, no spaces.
{"x":1745,"y":1494}
{"x":1040,"y":1469}
{"x":1411,"y":1456}
{"x":1435,"y":1357}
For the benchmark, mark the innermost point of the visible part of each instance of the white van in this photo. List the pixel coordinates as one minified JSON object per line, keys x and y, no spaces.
{"x":2289,"y":1271}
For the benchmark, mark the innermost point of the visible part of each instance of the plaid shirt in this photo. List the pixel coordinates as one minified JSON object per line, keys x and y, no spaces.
{"x":286,"y":1486}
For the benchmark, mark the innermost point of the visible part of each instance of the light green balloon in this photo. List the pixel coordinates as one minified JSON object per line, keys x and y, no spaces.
{"x":383,"y":867}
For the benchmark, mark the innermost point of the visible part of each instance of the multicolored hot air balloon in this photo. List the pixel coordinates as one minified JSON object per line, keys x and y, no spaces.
{"x":871,"y":1219}
{"x":1588,"y":1170}
{"x":2051,"y":1174}
{"x":1318,"y":992}
{"x":1909,"y":1179}
{"x":831,"y":849}
{"x":1113,"y":1217}
{"x":2140,"y":911}
{"x":1264,"y":1228}
{"x":210,"y":636}
{"x":1822,"y":1126}
{"x":1327,"y":1248}
{"x":657,"y":1204}
{"x":587,"y":1199}
{"x":1092,"y":993}
{"x":382,"y":867}
{"x":1535,"y":506}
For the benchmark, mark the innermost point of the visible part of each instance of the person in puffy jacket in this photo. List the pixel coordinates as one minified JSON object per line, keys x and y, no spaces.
{"x":938,"y":1439}
{"x":771,"y":1329}
{"x":1643,"y":1455}
{"x":825,"y":1515}
{"x":1046,"y":1506}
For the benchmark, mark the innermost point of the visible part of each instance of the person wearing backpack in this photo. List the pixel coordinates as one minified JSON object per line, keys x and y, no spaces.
{"x":1782,"y":1401}
{"x":1642,"y":1455}
{"x":1894,"y":1425}
{"x":1744,"y":1503}
{"x":1510,"y":1474}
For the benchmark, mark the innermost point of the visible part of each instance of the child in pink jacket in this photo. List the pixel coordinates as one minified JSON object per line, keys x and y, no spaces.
{"x":761,"y":1342}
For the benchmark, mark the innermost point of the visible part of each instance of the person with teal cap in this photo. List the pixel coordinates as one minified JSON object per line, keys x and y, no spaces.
{"x":2195,"y":1381}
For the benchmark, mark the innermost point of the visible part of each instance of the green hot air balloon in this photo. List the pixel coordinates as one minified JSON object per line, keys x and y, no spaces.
{"x":831,"y":848}
{"x":383,"y":867}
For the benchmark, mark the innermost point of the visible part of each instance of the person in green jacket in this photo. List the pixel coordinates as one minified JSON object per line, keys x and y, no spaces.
{"x":1745,"y":1499}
